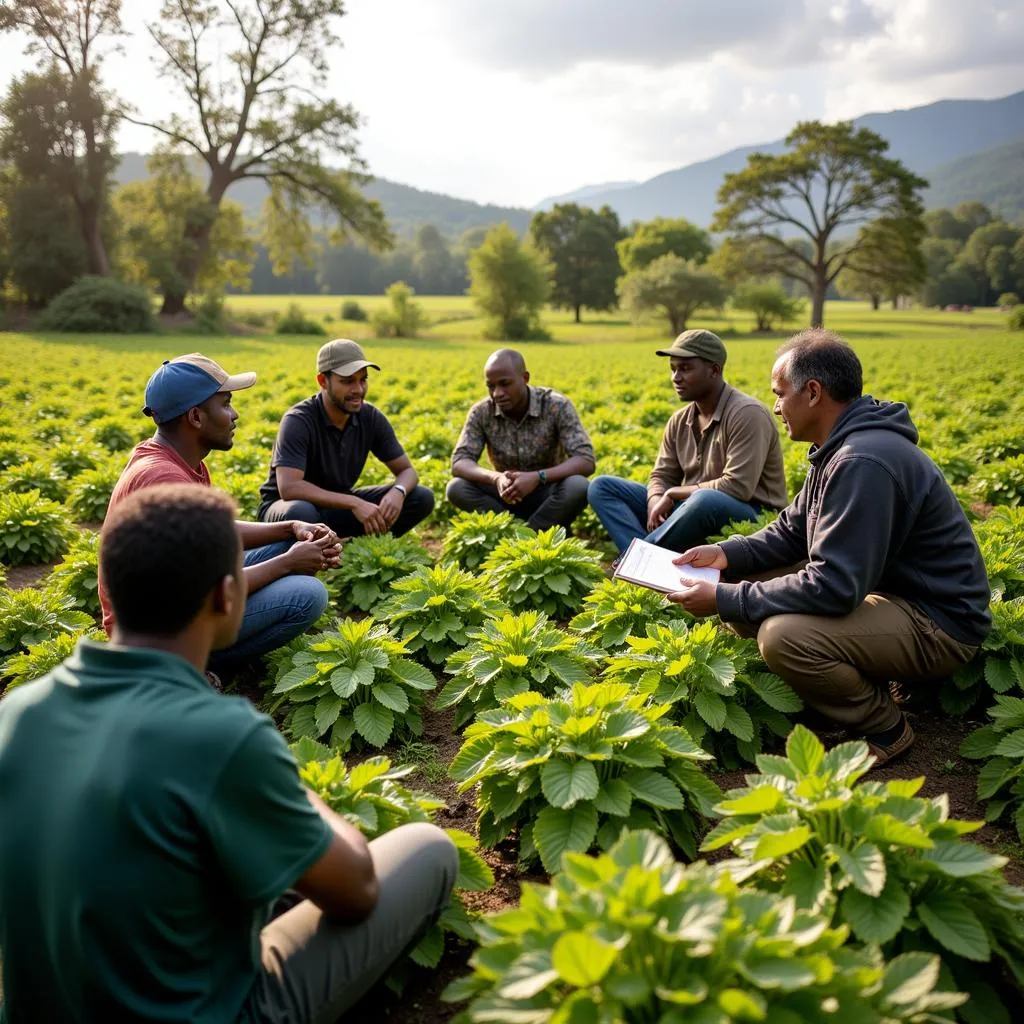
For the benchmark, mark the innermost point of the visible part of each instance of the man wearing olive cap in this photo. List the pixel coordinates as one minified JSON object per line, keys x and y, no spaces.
{"x":190,"y":400}
{"x":321,"y":449}
{"x":720,"y":459}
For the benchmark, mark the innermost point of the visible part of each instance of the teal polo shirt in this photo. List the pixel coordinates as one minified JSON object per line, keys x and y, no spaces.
{"x":146,"y":824}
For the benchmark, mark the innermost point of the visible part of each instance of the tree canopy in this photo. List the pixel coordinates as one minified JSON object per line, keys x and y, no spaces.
{"x":672,"y":288}
{"x":661,"y":236}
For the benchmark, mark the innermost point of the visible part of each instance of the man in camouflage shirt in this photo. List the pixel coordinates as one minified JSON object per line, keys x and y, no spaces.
{"x":536,"y":443}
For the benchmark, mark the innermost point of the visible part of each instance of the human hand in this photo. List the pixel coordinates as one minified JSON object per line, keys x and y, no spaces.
{"x":505,"y":483}
{"x":698,"y":599}
{"x":308,"y":557}
{"x":313,"y":531}
{"x":391,"y":506}
{"x":705,"y":556}
{"x":522,"y":485}
{"x":370,"y":516}
{"x":658,"y":511}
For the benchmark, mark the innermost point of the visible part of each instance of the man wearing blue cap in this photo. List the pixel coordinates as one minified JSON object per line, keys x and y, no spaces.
{"x":189,"y":398}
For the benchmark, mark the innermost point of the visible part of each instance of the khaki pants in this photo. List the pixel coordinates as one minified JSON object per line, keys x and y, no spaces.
{"x":315,"y":969}
{"x":841,"y":666}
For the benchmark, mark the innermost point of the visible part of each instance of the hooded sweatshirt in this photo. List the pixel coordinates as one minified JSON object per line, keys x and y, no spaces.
{"x":875,"y":515}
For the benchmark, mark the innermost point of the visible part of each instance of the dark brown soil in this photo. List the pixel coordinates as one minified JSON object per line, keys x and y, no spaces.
{"x":20,"y":576}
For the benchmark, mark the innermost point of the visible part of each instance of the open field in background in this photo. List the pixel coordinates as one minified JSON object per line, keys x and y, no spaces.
{"x":962,"y":374}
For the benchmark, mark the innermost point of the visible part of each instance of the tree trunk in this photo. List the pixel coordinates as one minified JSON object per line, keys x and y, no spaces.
{"x":895,"y":302}
{"x":818,"y":291}
{"x":875,"y":301}
{"x":577,"y":312}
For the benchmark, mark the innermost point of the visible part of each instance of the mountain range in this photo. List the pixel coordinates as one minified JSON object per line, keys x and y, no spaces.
{"x":967,"y":149}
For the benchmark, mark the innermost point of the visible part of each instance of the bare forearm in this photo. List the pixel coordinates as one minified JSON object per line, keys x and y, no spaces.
{"x":303,"y":490}
{"x":340,"y":826}
{"x":408,"y":478}
{"x":255,"y":535}
{"x":682,"y":493}
{"x":575,"y":465}
{"x":264,"y":573}
{"x":466,"y":469}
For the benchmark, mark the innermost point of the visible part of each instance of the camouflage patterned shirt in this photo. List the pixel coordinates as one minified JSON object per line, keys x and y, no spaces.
{"x":548,"y":434}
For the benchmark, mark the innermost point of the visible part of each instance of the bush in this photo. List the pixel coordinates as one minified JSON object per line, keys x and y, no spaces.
{"x":703,"y":672}
{"x":100,"y":305}
{"x":1015,"y":321}
{"x":32,"y":529}
{"x":372,"y":797}
{"x":472,"y":536}
{"x":1008,"y":299}
{"x":511,"y":655}
{"x":41,"y":477}
{"x":71,"y":459}
{"x":42,"y":657}
{"x":632,"y":936}
{"x":356,"y":684}
{"x":351,"y":310}
{"x":888,"y":864}
{"x":614,"y":609}
{"x":114,"y":434}
{"x":403,"y":319}
{"x":90,"y":493}
{"x":209,"y":315}
{"x":76,"y":575}
{"x":368,"y":567}
{"x":576,"y":769}
{"x":768,"y":302}
{"x":547,"y":571}
{"x":434,"y":608}
{"x":294,"y":321}
{"x":1001,"y":779}
{"x":30,"y":616}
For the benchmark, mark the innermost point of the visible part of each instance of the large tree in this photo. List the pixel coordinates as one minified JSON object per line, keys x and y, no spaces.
{"x":264,"y":119}
{"x":580,"y":243}
{"x":672,"y":288}
{"x":660,"y":237}
{"x":60,"y":122}
{"x":832,"y":179}
{"x":887,"y":263}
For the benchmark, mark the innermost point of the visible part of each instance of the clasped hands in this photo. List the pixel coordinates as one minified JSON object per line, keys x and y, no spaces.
{"x":515,"y":484}
{"x":316,"y":547}
{"x":700,"y":599}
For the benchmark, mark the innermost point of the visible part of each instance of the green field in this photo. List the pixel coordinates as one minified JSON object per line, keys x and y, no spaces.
{"x":70,"y":409}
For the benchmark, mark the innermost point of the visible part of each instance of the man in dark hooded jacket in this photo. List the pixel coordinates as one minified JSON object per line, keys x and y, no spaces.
{"x":893,"y":586}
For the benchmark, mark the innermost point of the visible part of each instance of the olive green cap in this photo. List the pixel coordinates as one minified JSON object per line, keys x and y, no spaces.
{"x":697,"y":344}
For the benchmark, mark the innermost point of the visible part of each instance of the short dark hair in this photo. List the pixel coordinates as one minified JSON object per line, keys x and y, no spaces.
{"x":817,"y":354}
{"x":162,"y":551}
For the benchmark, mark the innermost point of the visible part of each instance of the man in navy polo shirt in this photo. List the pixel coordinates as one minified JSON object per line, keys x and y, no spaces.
{"x":321,"y":449}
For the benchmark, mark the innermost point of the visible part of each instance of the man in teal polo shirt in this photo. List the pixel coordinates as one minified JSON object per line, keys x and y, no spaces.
{"x":149,"y":823}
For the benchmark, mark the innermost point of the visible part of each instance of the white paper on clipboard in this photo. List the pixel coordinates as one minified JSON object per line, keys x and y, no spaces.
{"x":647,"y":565}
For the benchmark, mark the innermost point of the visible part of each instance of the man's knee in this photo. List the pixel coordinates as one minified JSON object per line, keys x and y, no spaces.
{"x":785,"y":643}
{"x":309,"y":600}
{"x":303,"y":511}
{"x":601,"y":488}
{"x":421,"y":500}
{"x":431,"y":853}
{"x":574,"y":491}
{"x":461,"y":492}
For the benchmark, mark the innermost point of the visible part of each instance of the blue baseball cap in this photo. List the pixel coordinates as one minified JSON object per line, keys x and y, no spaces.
{"x":187,"y":381}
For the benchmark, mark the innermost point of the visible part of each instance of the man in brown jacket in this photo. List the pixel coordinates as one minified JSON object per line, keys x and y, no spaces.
{"x":720,"y":459}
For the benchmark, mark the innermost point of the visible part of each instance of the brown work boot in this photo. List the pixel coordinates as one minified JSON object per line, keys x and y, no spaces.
{"x":884,"y":753}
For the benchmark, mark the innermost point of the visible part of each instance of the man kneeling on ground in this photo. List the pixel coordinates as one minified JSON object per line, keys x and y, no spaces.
{"x":894,"y":586}
{"x":321,"y":449}
{"x":720,"y":459}
{"x":158,"y":821}
{"x":536,"y":443}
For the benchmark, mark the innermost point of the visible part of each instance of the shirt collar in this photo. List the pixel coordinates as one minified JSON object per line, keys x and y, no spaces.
{"x":532,"y":409}
{"x":318,"y":399}
{"x":716,"y":416}
{"x":113,"y":659}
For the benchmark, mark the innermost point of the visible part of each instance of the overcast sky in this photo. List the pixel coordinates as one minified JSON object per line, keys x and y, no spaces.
{"x":509,"y":101}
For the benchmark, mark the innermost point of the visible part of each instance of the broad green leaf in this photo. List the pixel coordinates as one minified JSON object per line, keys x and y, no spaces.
{"x":805,"y":750}
{"x":727,"y":831}
{"x":886,"y":829}
{"x":865,"y":867}
{"x":775,"y":972}
{"x":528,"y":975}
{"x":374,"y":722}
{"x":363,"y":673}
{"x":430,"y":949}
{"x":954,"y":925}
{"x":471,"y":758}
{"x":961,"y":859}
{"x":565,"y":783}
{"x":625,"y":725}
{"x":809,"y":884}
{"x":762,"y":800}
{"x":416,"y":676}
{"x":993,"y":775}
{"x":772,"y":845}
{"x":722,"y":669}
{"x":980,"y":743}
{"x":776,"y":693}
{"x":742,"y":1005}
{"x":582,"y":959}
{"x":876,"y":918}
{"x":614,"y":797}
{"x":1000,"y":675}
{"x":295,"y":678}
{"x":910,"y":977}
{"x":654,"y":789}
{"x":327,"y":710}
{"x":738,"y":722}
{"x":1011,"y":745}
{"x":711,"y":708}
{"x":344,"y":682}
{"x":366,"y":771}
{"x":391,"y":695}
{"x":556,"y":831}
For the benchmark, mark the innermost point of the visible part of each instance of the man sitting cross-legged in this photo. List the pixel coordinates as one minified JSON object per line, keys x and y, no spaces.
{"x":720,"y":459}
{"x":150,"y":823}
{"x":893,"y":586}
{"x":189,"y":398}
{"x":536,"y":443}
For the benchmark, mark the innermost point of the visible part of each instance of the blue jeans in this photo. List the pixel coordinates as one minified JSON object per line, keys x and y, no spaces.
{"x":275,"y":613}
{"x":621,"y":505}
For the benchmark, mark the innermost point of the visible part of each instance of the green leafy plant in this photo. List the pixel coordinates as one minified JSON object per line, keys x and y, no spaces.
{"x":745,"y":527}
{"x":887,"y":863}
{"x":368,"y":567}
{"x":614,"y":609}
{"x":355,"y":684}
{"x":294,"y":321}
{"x":472,"y":536}
{"x":71,"y":459}
{"x":100,"y":305}
{"x":1001,"y":779}
{"x":90,"y":493}
{"x":42,"y":657}
{"x":1001,"y":541}
{"x":632,"y":936}
{"x":114,"y":434}
{"x":1000,"y":483}
{"x":576,"y":769}
{"x":547,"y":571}
{"x":76,"y":575}
{"x":32,"y":529}
{"x":372,"y":797}
{"x":434,"y":608}
{"x":511,"y":655}
{"x":29,"y":616}
{"x":705,"y":673}
{"x":41,"y":477}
